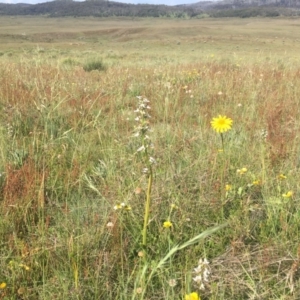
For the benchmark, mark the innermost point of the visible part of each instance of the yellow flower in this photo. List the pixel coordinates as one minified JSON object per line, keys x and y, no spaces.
{"x":2,"y":285}
{"x":281,"y":176}
{"x":118,"y":206}
{"x":24,"y":266}
{"x":242,"y":171}
{"x":221,"y":124}
{"x":122,"y":206}
{"x":256,"y":182}
{"x":127,"y":207}
{"x":289,"y":194}
{"x":228,"y":187}
{"x":192,"y":296}
{"x":167,"y":224}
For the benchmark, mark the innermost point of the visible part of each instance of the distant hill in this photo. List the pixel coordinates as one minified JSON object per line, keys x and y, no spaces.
{"x":246,"y":3}
{"x":248,"y":8}
{"x":100,"y":8}
{"x":97,"y":9}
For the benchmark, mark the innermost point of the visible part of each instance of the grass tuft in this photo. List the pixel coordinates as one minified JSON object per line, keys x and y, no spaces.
{"x":94,"y":65}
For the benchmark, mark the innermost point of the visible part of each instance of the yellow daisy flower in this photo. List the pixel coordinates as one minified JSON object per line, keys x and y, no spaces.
{"x":221,"y":124}
{"x":2,"y":285}
{"x":228,"y":187}
{"x":24,"y":266}
{"x":289,"y":194}
{"x":192,"y":296}
{"x":167,"y":224}
{"x":242,"y":171}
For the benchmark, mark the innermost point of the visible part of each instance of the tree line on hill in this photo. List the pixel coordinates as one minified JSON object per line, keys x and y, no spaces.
{"x":97,"y":9}
{"x":108,"y":9}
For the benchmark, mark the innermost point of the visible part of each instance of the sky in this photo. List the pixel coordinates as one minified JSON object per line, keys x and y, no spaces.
{"x":167,"y":2}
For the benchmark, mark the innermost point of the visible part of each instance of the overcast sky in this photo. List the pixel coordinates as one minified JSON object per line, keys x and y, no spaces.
{"x":167,"y":2}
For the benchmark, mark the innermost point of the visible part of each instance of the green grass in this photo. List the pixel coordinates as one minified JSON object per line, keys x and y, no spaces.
{"x":68,"y":157}
{"x":97,"y":65}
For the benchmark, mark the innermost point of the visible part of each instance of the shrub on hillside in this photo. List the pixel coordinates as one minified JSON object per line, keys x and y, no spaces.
{"x":94,"y":65}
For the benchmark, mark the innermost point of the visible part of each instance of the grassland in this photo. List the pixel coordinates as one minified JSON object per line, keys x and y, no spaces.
{"x":68,"y":158}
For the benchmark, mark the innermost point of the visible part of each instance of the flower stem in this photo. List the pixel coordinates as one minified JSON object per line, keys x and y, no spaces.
{"x":147,"y":207}
{"x":222,"y":139}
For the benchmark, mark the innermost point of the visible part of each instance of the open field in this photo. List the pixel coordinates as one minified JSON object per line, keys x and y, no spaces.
{"x":149,"y":41}
{"x":95,"y":205}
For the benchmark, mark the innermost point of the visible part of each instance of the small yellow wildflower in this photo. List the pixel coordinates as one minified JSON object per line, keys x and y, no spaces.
{"x":122,"y":206}
{"x":228,"y":187}
{"x":192,"y":296}
{"x":127,"y":207}
{"x":24,"y":266}
{"x":2,"y":285}
{"x":281,"y":176}
{"x":256,"y":182}
{"x":221,"y":124}
{"x":167,"y":224}
{"x":242,"y":171}
{"x":289,"y":194}
{"x":118,"y":206}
